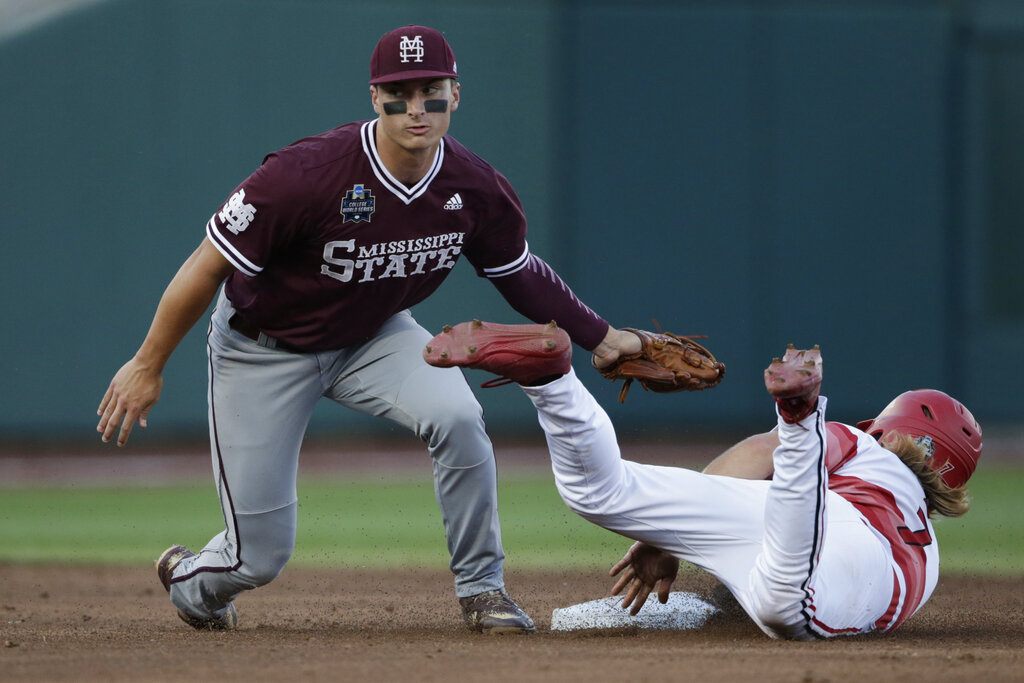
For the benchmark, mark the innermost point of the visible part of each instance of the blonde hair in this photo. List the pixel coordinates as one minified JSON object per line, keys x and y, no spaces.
{"x":941,"y":498}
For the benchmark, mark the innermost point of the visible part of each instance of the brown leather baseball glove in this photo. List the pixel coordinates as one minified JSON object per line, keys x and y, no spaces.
{"x":666,"y":362}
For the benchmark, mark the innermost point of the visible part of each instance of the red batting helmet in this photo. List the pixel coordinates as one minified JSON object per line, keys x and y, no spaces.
{"x":948,"y":429}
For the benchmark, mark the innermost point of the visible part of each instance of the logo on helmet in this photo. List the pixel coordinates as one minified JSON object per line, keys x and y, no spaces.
{"x":927,"y":444}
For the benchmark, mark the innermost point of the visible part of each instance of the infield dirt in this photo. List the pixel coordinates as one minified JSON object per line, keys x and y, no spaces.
{"x":64,"y":623}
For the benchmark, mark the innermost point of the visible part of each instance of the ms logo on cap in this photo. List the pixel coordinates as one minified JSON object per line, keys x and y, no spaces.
{"x":411,"y":49}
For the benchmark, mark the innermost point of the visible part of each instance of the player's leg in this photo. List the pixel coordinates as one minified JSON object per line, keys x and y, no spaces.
{"x":795,"y":518}
{"x":711,"y":521}
{"x":818,"y":555}
{"x":387,"y":377}
{"x":714,"y":522}
{"x":822,"y":570}
{"x":260,"y":401}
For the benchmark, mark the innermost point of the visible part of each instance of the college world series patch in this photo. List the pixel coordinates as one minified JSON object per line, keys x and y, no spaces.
{"x":357,"y":205}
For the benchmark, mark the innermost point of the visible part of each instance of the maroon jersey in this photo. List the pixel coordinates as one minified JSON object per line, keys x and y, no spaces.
{"x":328,"y":245}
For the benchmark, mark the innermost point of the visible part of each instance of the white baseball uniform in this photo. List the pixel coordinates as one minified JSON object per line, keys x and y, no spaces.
{"x":837,"y":543}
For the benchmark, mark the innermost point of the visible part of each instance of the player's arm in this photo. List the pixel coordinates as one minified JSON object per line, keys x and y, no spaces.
{"x":536,"y":291}
{"x":531,"y":286}
{"x":136,"y":387}
{"x":748,"y":459}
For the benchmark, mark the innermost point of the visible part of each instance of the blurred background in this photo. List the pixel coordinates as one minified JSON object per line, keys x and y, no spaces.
{"x":846,"y":173}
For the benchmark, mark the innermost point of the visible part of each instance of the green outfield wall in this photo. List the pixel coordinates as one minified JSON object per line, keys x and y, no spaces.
{"x":840,"y":173}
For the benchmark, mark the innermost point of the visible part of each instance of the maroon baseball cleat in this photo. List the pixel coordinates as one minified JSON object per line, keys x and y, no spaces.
{"x":519,"y":353}
{"x":794,"y":381}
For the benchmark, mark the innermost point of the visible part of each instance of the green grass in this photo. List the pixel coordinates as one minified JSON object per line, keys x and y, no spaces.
{"x":376,"y":522}
{"x":990,"y":538}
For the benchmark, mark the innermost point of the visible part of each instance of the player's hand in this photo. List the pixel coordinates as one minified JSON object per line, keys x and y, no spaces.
{"x":132,"y":393}
{"x":615,"y":343}
{"x":646,"y":568}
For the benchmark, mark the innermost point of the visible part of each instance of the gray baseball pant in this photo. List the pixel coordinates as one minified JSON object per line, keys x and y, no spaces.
{"x":260,"y":403}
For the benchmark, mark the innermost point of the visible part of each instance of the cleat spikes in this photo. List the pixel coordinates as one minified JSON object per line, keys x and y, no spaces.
{"x":794,"y":381}
{"x":519,"y":353}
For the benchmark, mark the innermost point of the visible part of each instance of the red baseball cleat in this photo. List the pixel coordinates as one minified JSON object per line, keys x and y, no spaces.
{"x":519,"y":353}
{"x":794,"y":381}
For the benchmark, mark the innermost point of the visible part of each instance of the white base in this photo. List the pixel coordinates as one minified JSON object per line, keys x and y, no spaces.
{"x":682,"y":611}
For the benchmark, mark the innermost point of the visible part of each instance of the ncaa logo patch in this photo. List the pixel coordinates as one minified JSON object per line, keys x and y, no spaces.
{"x":358,"y":204}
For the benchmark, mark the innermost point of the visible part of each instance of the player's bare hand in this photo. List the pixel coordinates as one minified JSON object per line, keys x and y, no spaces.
{"x":615,"y":343}
{"x":644,"y":568}
{"x":132,"y":393}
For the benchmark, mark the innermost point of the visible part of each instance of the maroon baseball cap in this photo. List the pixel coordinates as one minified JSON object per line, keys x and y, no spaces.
{"x":412,"y":52}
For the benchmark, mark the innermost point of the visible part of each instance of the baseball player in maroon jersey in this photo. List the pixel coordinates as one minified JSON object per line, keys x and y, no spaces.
{"x":817,"y":528}
{"x":321,"y":252}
